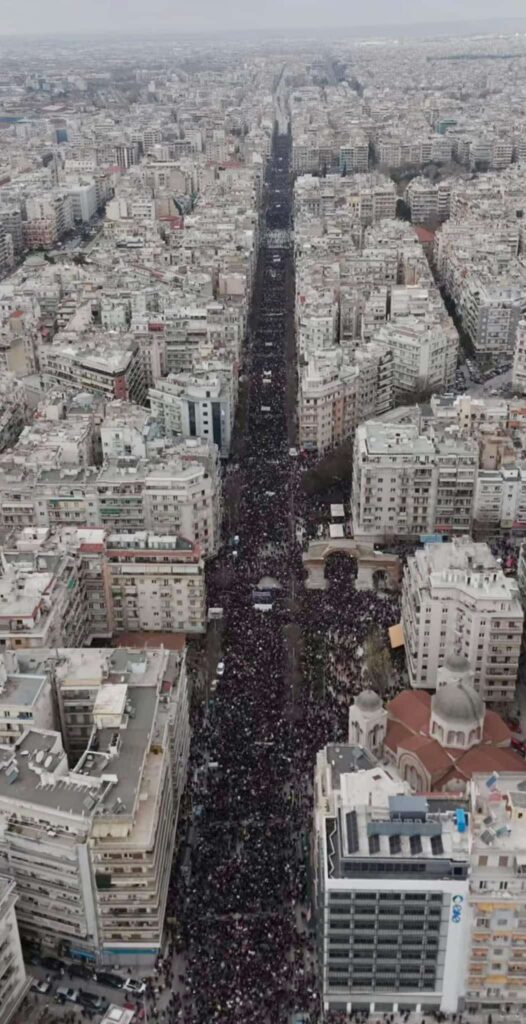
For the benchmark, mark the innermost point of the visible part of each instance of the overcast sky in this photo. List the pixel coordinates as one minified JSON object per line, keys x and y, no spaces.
{"x":35,"y":16}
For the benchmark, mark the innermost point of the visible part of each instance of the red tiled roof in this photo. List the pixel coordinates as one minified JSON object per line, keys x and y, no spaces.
{"x":495,"y":729}
{"x":395,"y":735}
{"x":424,"y":234}
{"x":433,"y":757}
{"x":413,"y":708}
{"x":487,"y":759}
{"x":172,"y":641}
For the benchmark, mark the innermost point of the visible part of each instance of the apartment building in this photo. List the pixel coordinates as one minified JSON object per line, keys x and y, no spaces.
{"x":496,"y":971}
{"x":407,"y":483}
{"x":391,"y":890}
{"x":491,"y":314}
{"x":90,"y":846}
{"x":196,"y":405}
{"x":456,"y":599}
{"x":26,"y":699}
{"x":156,"y":583}
{"x":41,"y":601}
{"x":354,"y":157}
{"x":178,"y":491}
{"x":14,"y":983}
{"x":49,"y":216}
{"x":164,"y":496}
{"x":335,"y":395}
{"x":428,"y":202}
{"x":500,"y":501}
{"x":107,"y":585}
{"x":111,"y":364}
{"x":519,"y":359}
{"x":424,"y":354}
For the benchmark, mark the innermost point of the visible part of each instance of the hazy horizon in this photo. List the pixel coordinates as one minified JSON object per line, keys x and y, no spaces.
{"x":129,"y":17}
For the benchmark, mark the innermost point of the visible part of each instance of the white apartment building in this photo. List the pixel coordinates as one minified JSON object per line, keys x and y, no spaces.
{"x":334,"y":395}
{"x":111,"y":364}
{"x":391,"y":890}
{"x":156,"y":583}
{"x":41,"y":602}
{"x":406,"y":483}
{"x":326,"y":401}
{"x":128,"y":430}
{"x":519,"y":359}
{"x":14,"y":983}
{"x":84,"y":201}
{"x":496,"y":971}
{"x":26,"y":699}
{"x":424,"y":354}
{"x":164,"y":496}
{"x":90,"y":846}
{"x":428,"y":202}
{"x":195,"y":405}
{"x":500,"y":500}
{"x":491,"y":314}
{"x":178,"y":492}
{"x":354,"y":157}
{"x":456,"y":599}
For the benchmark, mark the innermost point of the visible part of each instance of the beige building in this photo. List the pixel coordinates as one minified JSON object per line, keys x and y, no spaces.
{"x":14,"y":983}
{"x":496,"y":973}
{"x":407,"y":483}
{"x":156,"y":583}
{"x":456,"y":599}
{"x":90,"y":843}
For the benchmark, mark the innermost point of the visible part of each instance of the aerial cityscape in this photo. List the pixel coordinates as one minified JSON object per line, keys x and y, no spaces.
{"x":262,"y":519}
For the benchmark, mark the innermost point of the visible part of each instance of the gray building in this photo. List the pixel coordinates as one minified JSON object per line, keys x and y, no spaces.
{"x":391,"y":887}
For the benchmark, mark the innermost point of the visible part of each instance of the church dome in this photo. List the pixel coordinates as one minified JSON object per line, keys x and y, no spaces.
{"x":368,"y":700}
{"x":458,"y":663}
{"x":458,"y":703}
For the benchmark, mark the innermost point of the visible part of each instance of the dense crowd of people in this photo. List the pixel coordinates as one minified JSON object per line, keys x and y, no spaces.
{"x":243,"y":922}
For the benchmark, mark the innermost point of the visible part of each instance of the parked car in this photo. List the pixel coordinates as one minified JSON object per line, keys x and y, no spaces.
{"x":51,"y":963}
{"x":91,"y":1001}
{"x":519,"y":746}
{"x":108,"y":978}
{"x":67,"y":995}
{"x":137,"y":987}
{"x":42,"y":987}
{"x":79,"y":971}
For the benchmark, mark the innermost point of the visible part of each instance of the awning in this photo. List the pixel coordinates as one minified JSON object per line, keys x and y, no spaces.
{"x":336,"y":530}
{"x":396,"y":636}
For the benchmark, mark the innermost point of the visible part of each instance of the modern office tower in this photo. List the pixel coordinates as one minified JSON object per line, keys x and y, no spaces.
{"x":456,"y":599}
{"x":391,"y":890}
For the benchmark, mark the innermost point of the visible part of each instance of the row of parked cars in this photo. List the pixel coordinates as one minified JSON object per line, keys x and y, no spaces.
{"x":69,"y":994}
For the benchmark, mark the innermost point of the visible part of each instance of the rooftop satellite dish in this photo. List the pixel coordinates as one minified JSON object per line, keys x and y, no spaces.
{"x":39,"y":756}
{"x":48,"y":761}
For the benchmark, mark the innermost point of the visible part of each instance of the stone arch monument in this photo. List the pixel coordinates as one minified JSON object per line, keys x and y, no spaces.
{"x":369,"y":562}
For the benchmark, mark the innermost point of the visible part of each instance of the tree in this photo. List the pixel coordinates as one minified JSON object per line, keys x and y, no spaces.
{"x":377,"y":661}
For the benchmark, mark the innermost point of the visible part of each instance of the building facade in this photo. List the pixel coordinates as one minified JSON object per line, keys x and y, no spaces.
{"x":391,"y":891}
{"x":456,"y":599}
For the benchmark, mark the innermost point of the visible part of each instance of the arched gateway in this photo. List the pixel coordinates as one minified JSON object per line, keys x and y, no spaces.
{"x":369,"y":562}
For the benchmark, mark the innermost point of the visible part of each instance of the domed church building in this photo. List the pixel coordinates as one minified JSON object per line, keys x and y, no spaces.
{"x":436,"y":741}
